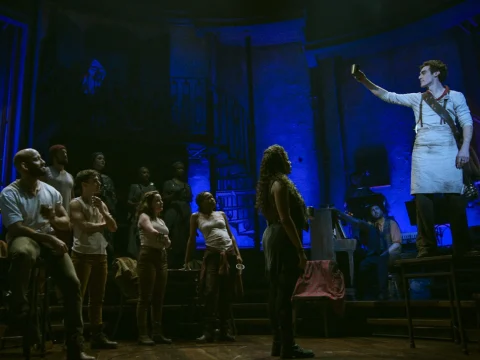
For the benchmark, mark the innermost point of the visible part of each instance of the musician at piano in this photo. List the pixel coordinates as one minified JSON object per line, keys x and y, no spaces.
{"x":381,"y":239}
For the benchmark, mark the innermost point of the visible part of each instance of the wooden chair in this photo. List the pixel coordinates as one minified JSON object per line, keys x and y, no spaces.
{"x":446,"y":267}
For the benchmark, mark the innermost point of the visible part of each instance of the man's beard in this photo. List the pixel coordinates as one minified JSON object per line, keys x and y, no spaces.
{"x":63,"y":162}
{"x":37,"y":172}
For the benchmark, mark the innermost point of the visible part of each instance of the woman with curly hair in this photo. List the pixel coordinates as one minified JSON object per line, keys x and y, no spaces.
{"x":152,"y":267}
{"x":218,"y":276}
{"x":284,"y":209}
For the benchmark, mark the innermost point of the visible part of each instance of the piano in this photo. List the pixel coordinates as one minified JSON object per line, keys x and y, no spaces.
{"x":327,"y":237}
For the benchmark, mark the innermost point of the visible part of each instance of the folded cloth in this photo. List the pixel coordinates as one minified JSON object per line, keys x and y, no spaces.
{"x":322,"y":278}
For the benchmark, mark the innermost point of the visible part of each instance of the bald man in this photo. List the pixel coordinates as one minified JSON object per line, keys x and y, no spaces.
{"x":30,"y":210}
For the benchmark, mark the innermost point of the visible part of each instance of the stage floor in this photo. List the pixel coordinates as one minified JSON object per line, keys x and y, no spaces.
{"x":258,"y":348}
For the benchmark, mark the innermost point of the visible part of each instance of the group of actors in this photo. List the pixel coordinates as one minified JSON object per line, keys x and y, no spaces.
{"x":36,"y":217}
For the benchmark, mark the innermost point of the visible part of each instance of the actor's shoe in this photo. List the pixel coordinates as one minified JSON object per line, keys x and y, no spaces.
{"x":157,"y":335}
{"x":145,"y":340}
{"x":296,"y":352}
{"x":100,"y":341}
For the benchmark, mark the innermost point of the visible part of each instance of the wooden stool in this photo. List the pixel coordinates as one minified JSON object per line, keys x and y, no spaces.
{"x":44,"y":323}
{"x":446,"y":267}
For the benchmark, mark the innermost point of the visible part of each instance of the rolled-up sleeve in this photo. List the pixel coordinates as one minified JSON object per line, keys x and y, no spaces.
{"x":462,"y":111}
{"x":11,"y":213}
{"x":410,"y":100}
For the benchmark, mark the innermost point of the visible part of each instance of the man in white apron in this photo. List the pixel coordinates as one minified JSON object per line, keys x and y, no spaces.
{"x":436,"y":161}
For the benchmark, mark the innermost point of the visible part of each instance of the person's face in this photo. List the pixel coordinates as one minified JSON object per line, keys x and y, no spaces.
{"x":61,"y":157}
{"x":426,"y":77}
{"x":35,"y":166}
{"x":208,"y":202}
{"x":99,"y":162}
{"x":288,"y":165}
{"x":157,"y":203}
{"x":144,"y":175}
{"x":92,"y":186}
{"x":179,"y":172}
{"x":376,"y":212}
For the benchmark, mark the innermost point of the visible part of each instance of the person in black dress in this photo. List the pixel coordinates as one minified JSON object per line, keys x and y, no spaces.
{"x":284,"y":209}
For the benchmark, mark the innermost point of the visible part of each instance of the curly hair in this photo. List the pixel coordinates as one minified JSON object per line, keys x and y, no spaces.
{"x":274,"y":167}
{"x":437,"y":65}
{"x":145,"y":205}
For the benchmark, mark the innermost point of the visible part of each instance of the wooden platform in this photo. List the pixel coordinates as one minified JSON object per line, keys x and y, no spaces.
{"x":258,"y":347}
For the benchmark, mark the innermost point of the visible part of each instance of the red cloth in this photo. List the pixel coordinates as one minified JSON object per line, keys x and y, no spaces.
{"x":322,"y":278}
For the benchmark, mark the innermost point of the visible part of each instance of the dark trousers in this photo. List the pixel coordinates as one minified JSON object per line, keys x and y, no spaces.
{"x":23,"y":253}
{"x":152,"y":281}
{"x":218,"y":291}
{"x":456,"y":205}
{"x":280,"y":307}
{"x":372,"y":276}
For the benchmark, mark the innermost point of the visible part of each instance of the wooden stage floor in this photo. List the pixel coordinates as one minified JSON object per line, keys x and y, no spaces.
{"x":258,"y":347}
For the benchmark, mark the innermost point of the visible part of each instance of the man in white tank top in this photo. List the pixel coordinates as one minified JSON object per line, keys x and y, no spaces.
{"x":90,"y":217}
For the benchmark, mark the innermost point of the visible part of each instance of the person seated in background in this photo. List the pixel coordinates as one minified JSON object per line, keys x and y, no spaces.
{"x":381,"y":239}
{"x":30,"y":210}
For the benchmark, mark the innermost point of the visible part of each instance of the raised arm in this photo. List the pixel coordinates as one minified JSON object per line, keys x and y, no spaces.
{"x":191,"y":244}
{"x":78,"y":219}
{"x":357,"y":223}
{"x":234,"y":241}
{"x":409,"y":100}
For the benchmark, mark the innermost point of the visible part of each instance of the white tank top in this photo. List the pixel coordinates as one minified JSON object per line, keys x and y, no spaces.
{"x":89,"y":243}
{"x":214,"y":230}
{"x":147,"y":239}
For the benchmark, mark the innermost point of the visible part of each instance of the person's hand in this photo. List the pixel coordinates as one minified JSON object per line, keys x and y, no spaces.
{"x":47,"y":212}
{"x":167,"y":241}
{"x":97,"y":202}
{"x":239,"y":259}
{"x":302,"y":260}
{"x":187,"y":265}
{"x":463,"y":157}
{"x":58,"y":246}
{"x":359,"y":76}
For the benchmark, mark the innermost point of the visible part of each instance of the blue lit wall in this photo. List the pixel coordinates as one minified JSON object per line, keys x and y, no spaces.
{"x":283,"y":113}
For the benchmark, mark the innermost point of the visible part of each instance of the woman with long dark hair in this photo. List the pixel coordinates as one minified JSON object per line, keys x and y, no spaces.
{"x":218,"y":276}
{"x":152,"y":267}
{"x":284,"y":209}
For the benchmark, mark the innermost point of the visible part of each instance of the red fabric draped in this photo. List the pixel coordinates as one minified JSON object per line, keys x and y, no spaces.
{"x":322,"y":279}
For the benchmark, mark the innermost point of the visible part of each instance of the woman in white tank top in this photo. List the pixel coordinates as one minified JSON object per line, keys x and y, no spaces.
{"x":218,"y":278}
{"x":151,"y":267}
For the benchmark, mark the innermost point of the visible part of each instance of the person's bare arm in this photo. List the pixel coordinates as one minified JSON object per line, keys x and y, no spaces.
{"x":192,"y":239}
{"x":396,"y":236}
{"x":110,"y":222}
{"x":146,"y":225}
{"x":375,"y":89}
{"x":79,"y":220}
{"x":59,"y":219}
{"x":234,"y":241}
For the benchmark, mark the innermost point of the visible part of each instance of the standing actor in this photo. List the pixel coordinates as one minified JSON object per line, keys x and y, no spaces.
{"x":90,"y":218}
{"x":284,"y":209}
{"x":436,"y":161}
